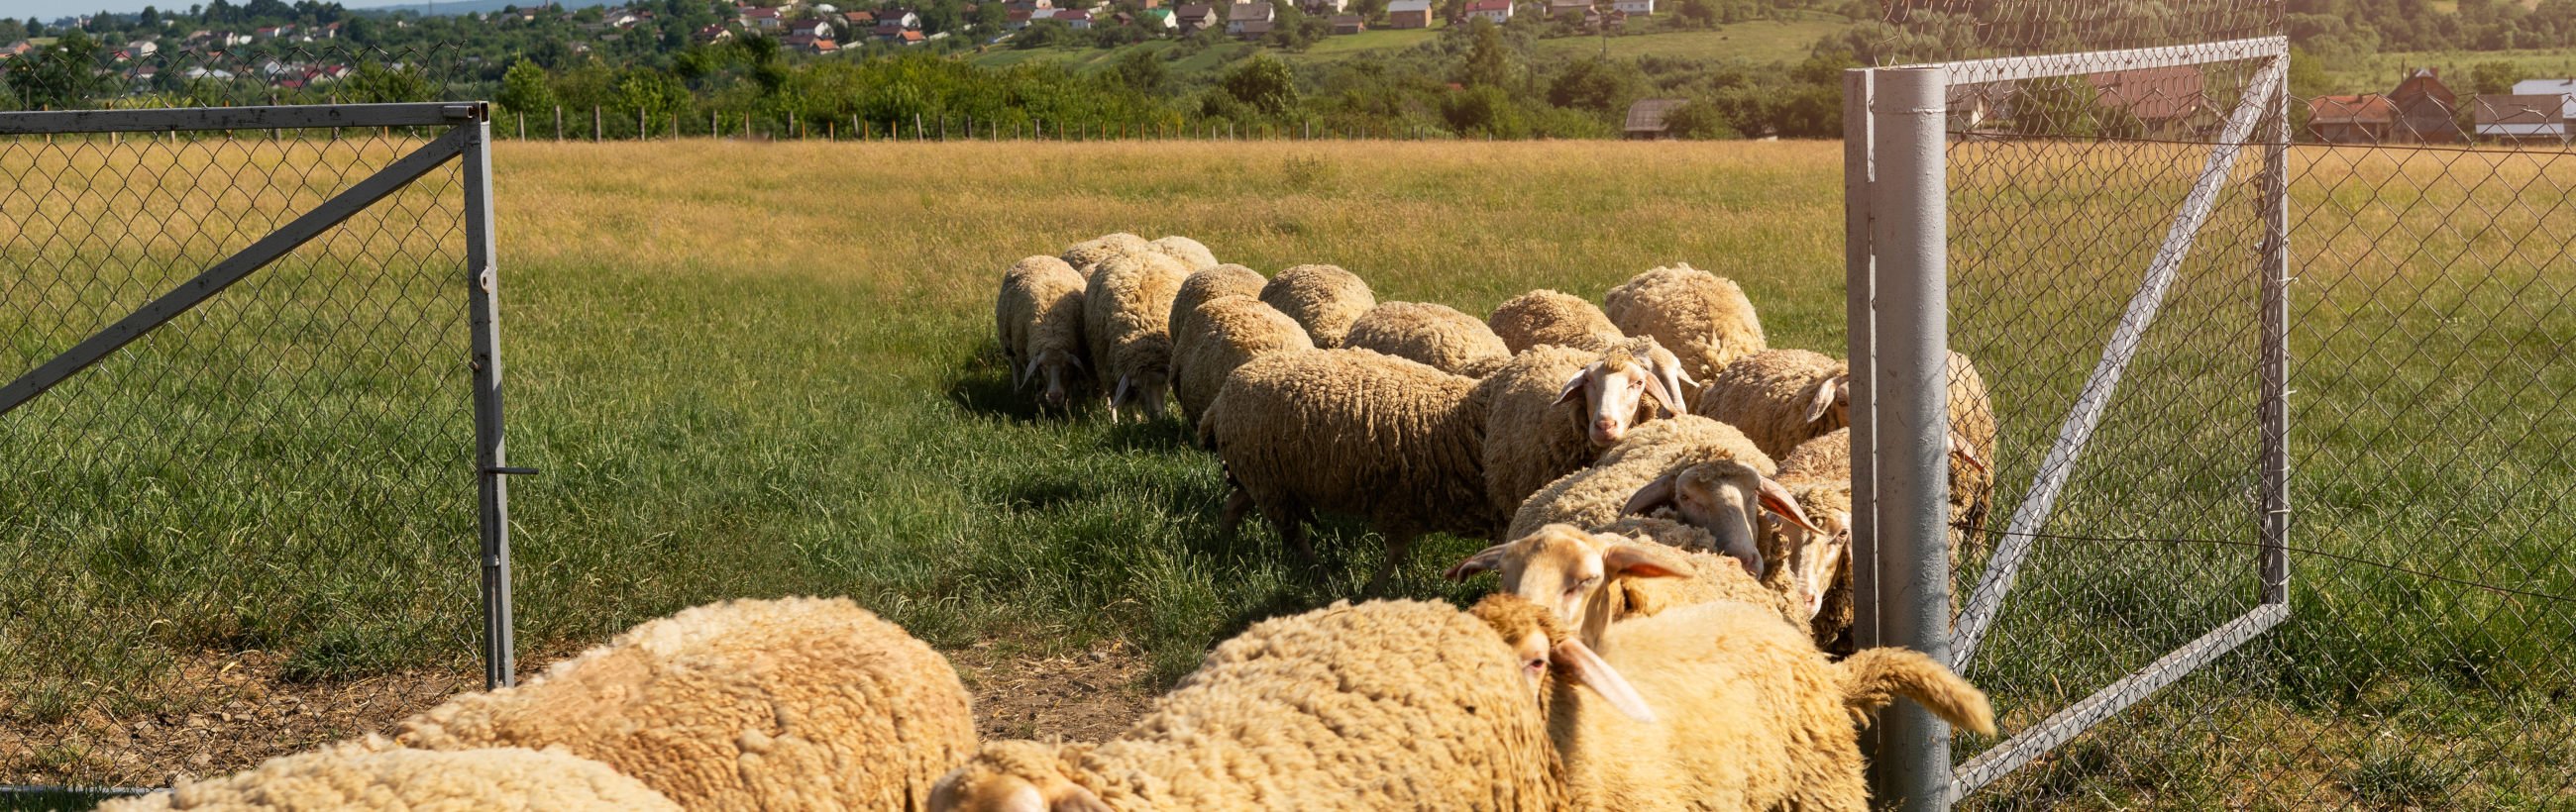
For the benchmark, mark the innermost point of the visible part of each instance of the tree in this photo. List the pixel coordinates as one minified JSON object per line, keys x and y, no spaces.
{"x":1488,"y":62}
{"x":1042,"y":33}
{"x":1484,"y":110}
{"x":373,"y":83}
{"x":1597,"y":83}
{"x":1701,"y":119}
{"x":1263,"y":84}
{"x":2495,"y":78}
{"x":60,"y":76}
{"x":1141,"y":70}
{"x":149,"y":18}
{"x":524,"y":89}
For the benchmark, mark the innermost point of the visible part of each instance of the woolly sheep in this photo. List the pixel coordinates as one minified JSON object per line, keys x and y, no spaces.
{"x":1381,"y":705}
{"x":1199,"y":287}
{"x":1750,"y":715}
{"x":1087,"y":256}
{"x":1636,"y":569}
{"x":372,"y":774}
{"x":1190,"y":252}
{"x":1972,"y":438}
{"x":1549,"y":317}
{"x":1450,"y":341}
{"x":1411,"y":448}
{"x":1227,"y":332}
{"x":1700,"y":316}
{"x":748,"y":704}
{"x":1039,"y":318}
{"x":1323,"y":298}
{"x":1779,"y":398}
{"x":1818,"y":474}
{"x":1126,"y":319}
{"x":1641,"y":472}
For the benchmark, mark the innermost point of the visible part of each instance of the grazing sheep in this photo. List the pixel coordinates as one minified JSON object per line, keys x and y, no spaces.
{"x":1380,"y":705}
{"x":1413,"y":449}
{"x":1039,"y":318}
{"x":1199,"y":287}
{"x":1750,"y":715}
{"x":1190,"y":252}
{"x":1972,"y":446}
{"x":1450,"y":341}
{"x":1087,"y":256}
{"x":1228,"y":331}
{"x":1702,"y":317}
{"x":1779,"y":398}
{"x":1818,"y":475}
{"x":1548,"y":317}
{"x":372,"y":774}
{"x":1641,"y":471}
{"x":1323,"y":298}
{"x":749,"y":704}
{"x":1593,"y":579}
{"x":1126,"y":319}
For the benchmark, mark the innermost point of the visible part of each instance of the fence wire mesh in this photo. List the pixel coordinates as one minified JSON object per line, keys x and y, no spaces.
{"x":254,"y":529}
{"x":2432,"y":598}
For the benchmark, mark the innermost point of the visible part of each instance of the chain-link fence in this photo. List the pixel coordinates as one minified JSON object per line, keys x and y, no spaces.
{"x":250,"y":389}
{"x":2144,"y":224}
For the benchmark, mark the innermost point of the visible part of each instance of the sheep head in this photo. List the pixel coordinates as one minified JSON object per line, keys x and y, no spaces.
{"x":1832,"y":397}
{"x":1147,"y":381}
{"x":1013,"y":776}
{"x":1569,"y":572}
{"x":1541,"y":645}
{"x":1614,"y":390}
{"x":1058,"y":368}
{"x":1816,"y":557}
{"x":1725,"y":498}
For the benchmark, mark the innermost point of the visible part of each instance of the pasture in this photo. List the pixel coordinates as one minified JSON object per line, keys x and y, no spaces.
{"x":754,"y":370}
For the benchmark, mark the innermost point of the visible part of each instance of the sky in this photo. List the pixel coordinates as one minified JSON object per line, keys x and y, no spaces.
{"x":46,"y":10}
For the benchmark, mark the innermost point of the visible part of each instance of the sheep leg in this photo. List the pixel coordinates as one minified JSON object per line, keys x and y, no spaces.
{"x":1399,"y":546}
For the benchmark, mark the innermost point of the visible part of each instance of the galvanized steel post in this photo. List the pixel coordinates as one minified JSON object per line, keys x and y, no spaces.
{"x":1907,"y":548}
{"x":2274,"y":413}
{"x":491,"y":459}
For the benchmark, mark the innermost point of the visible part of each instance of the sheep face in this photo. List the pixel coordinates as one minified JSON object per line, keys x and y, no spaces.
{"x":1544,"y":650}
{"x":1832,"y":397}
{"x":1725,"y":498}
{"x":1566,"y":570}
{"x":1816,"y":556}
{"x":1057,"y":368}
{"x":1614,"y":391}
{"x":1005,"y":779}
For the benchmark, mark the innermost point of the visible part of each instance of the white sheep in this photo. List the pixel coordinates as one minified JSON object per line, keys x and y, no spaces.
{"x":1199,"y":287}
{"x":1549,"y":317}
{"x":372,"y":774}
{"x":1380,"y":705}
{"x":1038,"y":317}
{"x":1700,"y":316}
{"x":1190,"y":252}
{"x":1640,"y":566}
{"x":1126,"y":320}
{"x":1226,"y":332}
{"x":1734,"y":489}
{"x":1322,"y":298}
{"x":749,"y":704}
{"x":1779,"y":398}
{"x":1450,"y":341}
{"x":1087,"y":256}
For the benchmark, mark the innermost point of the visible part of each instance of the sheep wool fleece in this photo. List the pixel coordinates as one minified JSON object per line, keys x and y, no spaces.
{"x":374,"y":775}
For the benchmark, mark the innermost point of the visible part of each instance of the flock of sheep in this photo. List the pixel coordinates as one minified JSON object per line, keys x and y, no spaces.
{"x":1671,"y":597}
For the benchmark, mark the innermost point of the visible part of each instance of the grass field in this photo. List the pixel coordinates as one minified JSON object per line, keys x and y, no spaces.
{"x":741,"y":383}
{"x":1759,"y":42}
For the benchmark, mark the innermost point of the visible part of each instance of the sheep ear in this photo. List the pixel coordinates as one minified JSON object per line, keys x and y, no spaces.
{"x":1638,"y":561}
{"x":1647,"y":498}
{"x":1776,"y":498}
{"x":1661,"y":391}
{"x":1573,"y":386}
{"x":1966,"y":453}
{"x":1485,"y":560}
{"x":1826,"y":390}
{"x":1589,"y":669}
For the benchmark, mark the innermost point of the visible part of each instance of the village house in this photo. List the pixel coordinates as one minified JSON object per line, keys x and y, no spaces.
{"x":908,"y":37}
{"x":2508,"y":118}
{"x":904,"y":17}
{"x":1242,"y":14}
{"x":1646,"y":119}
{"x":712,"y":34}
{"x":1349,"y":24}
{"x":2427,"y":110}
{"x":1160,"y":18}
{"x":16,"y":48}
{"x":1499,"y":11}
{"x":2367,"y":118}
{"x":1408,"y":14}
{"x":1558,"y":9}
{"x":810,"y":43}
{"x":1640,"y":8}
{"x":2564,"y":89}
{"x":1324,"y":6}
{"x":1192,"y":18}
{"x":1254,"y":29}
{"x":761,"y":18}
{"x":2163,"y":101}
{"x":1076,"y":19}
{"x":620,"y":18}
{"x":810,"y":29}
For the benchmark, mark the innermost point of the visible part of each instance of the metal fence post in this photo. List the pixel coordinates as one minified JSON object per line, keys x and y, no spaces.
{"x":490,"y":457}
{"x":2274,"y":412}
{"x":1907,"y":391}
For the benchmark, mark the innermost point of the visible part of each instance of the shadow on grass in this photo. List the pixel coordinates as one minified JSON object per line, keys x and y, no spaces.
{"x":981,"y":384}
{"x":1164,"y":435}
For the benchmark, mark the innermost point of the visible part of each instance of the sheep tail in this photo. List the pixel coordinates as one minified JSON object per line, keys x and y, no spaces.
{"x":1871,"y":678}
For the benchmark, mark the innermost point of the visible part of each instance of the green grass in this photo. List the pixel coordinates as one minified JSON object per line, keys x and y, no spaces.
{"x":1759,"y":42}
{"x":740,"y":382}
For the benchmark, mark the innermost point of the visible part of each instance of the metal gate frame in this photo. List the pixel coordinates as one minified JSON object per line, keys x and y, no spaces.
{"x":1896,"y":237}
{"x":467,"y":139}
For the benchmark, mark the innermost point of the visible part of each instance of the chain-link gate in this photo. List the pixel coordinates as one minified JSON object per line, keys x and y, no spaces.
{"x":250,"y":429}
{"x":2280,"y":427}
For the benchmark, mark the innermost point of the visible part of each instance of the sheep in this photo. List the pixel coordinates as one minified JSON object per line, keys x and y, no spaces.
{"x":1704,"y":318}
{"x":1972,"y":438}
{"x":1818,"y":476}
{"x":1379,"y":705}
{"x":1323,"y":298}
{"x":1126,"y":319}
{"x":1637,"y":568}
{"x":1779,"y":398}
{"x":1199,"y":287}
{"x":1039,"y":318}
{"x":745,"y":704}
{"x":1406,"y":445}
{"x":1750,"y":715}
{"x":1190,"y":252}
{"x":1227,"y":332}
{"x":1087,"y":256}
{"x":1549,"y":317}
{"x":1453,"y":342}
{"x":1642,"y":470}
{"x":373,"y":774}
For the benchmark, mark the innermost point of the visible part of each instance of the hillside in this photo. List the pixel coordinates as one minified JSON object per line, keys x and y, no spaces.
{"x":1759,"y":42}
